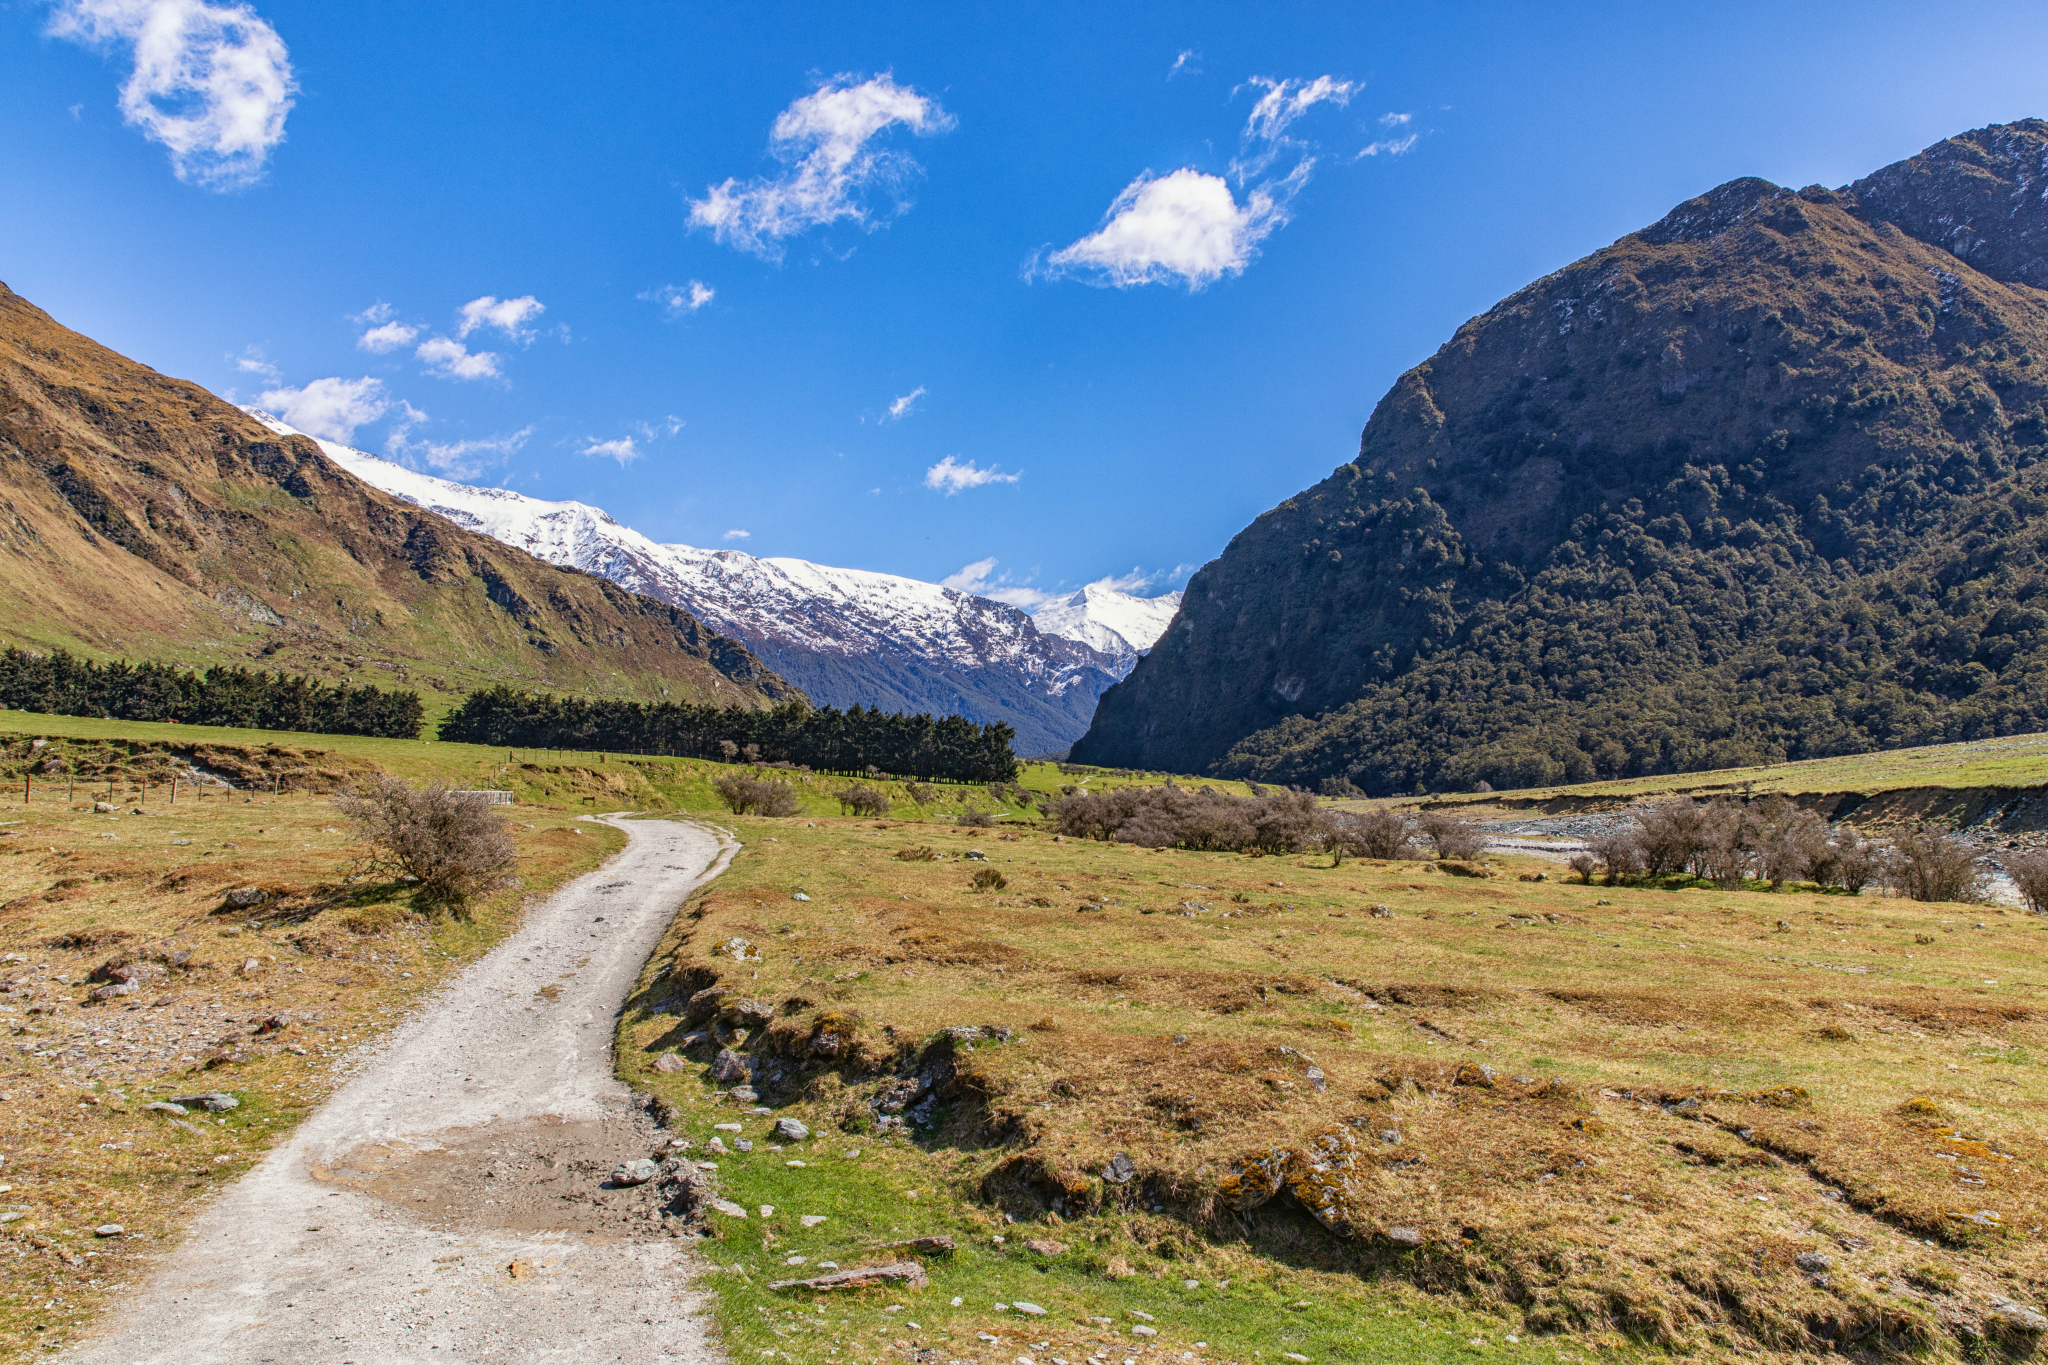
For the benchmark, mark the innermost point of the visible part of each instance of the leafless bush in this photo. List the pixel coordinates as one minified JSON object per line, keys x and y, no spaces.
{"x":1793,"y":845}
{"x":1202,"y":818}
{"x":1850,"y":861}
{"x":1379,"y":833}
{"x":2029,"y":872}
{"x":1583,"y":864}
{"x":744,"y":795}
{"x":860,"y":799}
{"x":1669,"y":835}
{"x":452,"y":843}
{"x":988,"y":879}
{"x":1617,"y":851}
{"x":977,"y":819}
{"x":923,"y":793}
{"x":728,"y":750}
{"x":1933,"y":865}
{"x":1452,"y":837}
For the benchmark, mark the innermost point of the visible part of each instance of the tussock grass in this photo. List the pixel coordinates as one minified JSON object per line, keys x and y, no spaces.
{"x":1621,"y":1125}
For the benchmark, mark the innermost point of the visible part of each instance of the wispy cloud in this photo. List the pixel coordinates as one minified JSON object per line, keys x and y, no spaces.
{"x":448,"y":358}
{"x":831,"y":172}
{"x":1395,"y":143}
{"x":251,"y":361}
{"x":331,"y":409}
{"x":454,"y":459}
{"x":624,"y":449}
{"x":900,"y":408}
{"x":680,"y":300}
{"x":509,"y":316}
{"x":981,"y":580}
{"x":1189,"y":227}
{"x":950,"y":476}
{"x":212,"y":83}
{"x":970,"y":577}
{"x":1188,"y":63}
{"x":737,"y":534}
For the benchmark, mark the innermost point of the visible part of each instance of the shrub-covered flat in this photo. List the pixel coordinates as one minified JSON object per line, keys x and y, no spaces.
{"x":1550,"y":1116}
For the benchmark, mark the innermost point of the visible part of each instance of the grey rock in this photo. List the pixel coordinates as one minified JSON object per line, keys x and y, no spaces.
{"x":2016,"y":1315}
{"x":717,"y":1147}
{"x":975,"y":855}
{"x":1317,"y":1079}
{"x":114,"y":991}
{"x":790,"y":1130}
{"x":1030,"y":1309}
{"x":108,"y":1230}
{"x":743,"y":1144}
{"x":799,"y":896}
{"x":908,"y":1273}
{"x":743,"y":1094}
{"x":241,"y":897}
{"x":1141,"y":1330}
{"x":726,"y":1207}
{"x":1142,"y":1316}
{"x":1812,"y":1262}
{"x":166,"y":1107}
{"x":1405,"y":1237}
{"x":212,"y":1101}
{"x":1121,"y":1170}
{"x":728,"y":1066}
{"x":668,"y":1062}
{"x":635,"y":1172}
{"x":1391,"y":1136}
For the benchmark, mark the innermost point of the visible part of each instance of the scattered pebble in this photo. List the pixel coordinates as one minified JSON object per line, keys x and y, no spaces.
{"x":108,"y":1230}
{"x":811,"y":1220}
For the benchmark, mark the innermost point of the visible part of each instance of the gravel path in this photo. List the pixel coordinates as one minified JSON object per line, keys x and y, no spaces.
{"x":308,"y":1259}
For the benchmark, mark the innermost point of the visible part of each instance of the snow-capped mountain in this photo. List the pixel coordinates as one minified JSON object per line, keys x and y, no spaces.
{"x":845,"y":636}
{"x":1110,"y":622}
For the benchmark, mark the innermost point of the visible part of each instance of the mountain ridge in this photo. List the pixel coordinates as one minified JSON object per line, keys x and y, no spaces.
{"x":1719,"y":492}
{"x":846,"y":637}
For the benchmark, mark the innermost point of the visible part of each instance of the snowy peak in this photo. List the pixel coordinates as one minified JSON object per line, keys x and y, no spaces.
{"x":1115,"y":623}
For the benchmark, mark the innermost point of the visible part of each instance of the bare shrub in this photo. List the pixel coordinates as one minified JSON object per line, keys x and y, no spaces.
{"x":743,"y":795}
{"x":450,"y":842}
{"x":923,"y":793}
{"x":728,"y":750}
{"x":1202,"y":818}
{"x":2029,"y":872}
{"x":1793,"y":845}
{"x":1451,"y":836}
{"x":1669,"y":835}
{"x":1380,"y":833}
{"x":1583,"y":864}
{"x":1933,"y":865}
{"x":860,"y":799}
{"x":1618,"y":851}
{"x":1849,"y":861}
{"x":977,"y":819}
{"x":921,"y":853}
{"x":988,"y":879}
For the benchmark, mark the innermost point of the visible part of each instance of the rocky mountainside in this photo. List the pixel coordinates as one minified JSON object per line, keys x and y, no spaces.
{"x":145,"y":518}
{"x":847,"y":637}
{"x":1763,"y":480}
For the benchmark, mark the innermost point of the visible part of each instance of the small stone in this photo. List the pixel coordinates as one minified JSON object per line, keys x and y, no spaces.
{"x":103,"y":808}
{"x":1030,"y":1309}
{"x":717,"y":1147}
{"x":1141,"y":1330}
{"x":799,"y":1165}
{"x":759,"y":1111}
{"x":213,"y":1101}
{"x":727,"y":1128}
{"x":767,"y":1210}
{"x":790,"y":1130}
{"x":1045,"y":1246}
{"x":1391,"y":1136}
{"x":1142,"y":1316}
{"x":728,"y":1066}
{"x":975,"y":855}
{"x":850,"y":1153}
{"x":743,"y":1094}
{"x":108,"y":1230}
{"x":166,"y":1107}
{"x":1317,"y":1079}
{"x":242,"y":897}
{"x":1405,"y":1237}
{"x":799,"y":896}
{"x":1813,"y":1262}
{"x":635,"y":1172}
{"x":727,"y":1207}
{"x":1295,"y":1356}
{"x":668,"y":1062}
{"x":811,"y":1220}
{"x":743,"y":1144}
{"x":1121,"y":1170}
{"x":2016,"y":1316}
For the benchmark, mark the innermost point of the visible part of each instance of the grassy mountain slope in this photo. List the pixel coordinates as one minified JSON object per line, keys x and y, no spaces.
{"x":1760,"y":481}
{"x":140,"y":516}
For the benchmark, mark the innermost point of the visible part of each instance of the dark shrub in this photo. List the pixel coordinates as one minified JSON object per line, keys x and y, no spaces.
{"x":988,"y":879}
{"x":1203,"y":818}
{"x":452,"y":842}
{"x":1340,"y":788}
{"x":977,"y":819}
{"x":922,"y":853}
{"x":742,"y":795}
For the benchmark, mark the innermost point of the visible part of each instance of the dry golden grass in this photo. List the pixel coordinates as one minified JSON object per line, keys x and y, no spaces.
{"x":262,"y":1003}
{"x":1616,"y":1121}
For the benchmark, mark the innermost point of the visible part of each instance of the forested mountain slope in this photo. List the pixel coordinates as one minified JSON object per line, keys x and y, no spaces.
{"x":1760,"y":481}
{"x":142,"y":517}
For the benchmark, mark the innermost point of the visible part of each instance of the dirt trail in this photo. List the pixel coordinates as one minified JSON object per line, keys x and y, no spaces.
{"x":450,"y":1202}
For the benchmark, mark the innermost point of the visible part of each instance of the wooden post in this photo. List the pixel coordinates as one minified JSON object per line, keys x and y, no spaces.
{"x":27,"y":784}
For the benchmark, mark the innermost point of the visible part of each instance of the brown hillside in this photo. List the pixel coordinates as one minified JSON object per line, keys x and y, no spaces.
{"x":146,"y":518}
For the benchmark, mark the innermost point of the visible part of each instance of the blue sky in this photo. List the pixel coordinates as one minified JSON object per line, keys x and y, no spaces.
{"x":1141,"y":271}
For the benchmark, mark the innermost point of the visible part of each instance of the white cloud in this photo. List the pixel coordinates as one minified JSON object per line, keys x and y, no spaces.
{"x":377,"y":312}
{"x":950,"y":476}
{"x":1394,"y":120}
{"x":509,"y":316}
{"x":737,"y":534}
{"x":450,"y":359}
{"x":388,"y":336}
{"x":823,"y":139}
{"x":1388,"y":146}
{"x":212,"y":83}
{"x":1184,"y":226}
{"x":251,"y":361}
{"x":971,"y":577}
{"x":623,"y":449}
{"x":1024,"y":599}
{"x":900,"y":408}
{"x":331,"y":409}
{"x":680,"y":300}
{"x":1184,"y":64}
{"x":1188,"y":227}
{"x":455,"y":459}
